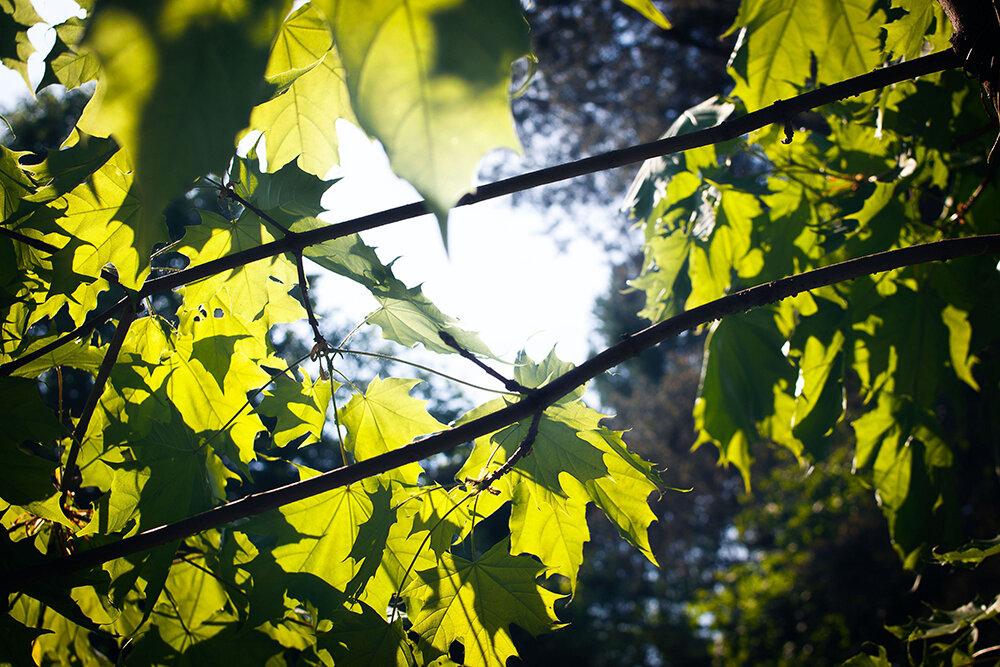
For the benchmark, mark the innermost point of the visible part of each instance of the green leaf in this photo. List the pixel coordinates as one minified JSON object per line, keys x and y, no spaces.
{"x":15,"y":184}
{"x":299,"y":407}
{"x":649,"y":185}
{"x":361,"y":636}
{"x":866,"y":660}
{"x":164,"y":63}
{"x":737,"y":398}
{"x":287,"y":195}
{"x":26,"y":480}
{"x":555,"y":531}
{"x":106,"y":214}
{"x":430,"y":81}
{"x":64,"y":169}
{"x":255,"y":294}
{"x":905,"y":36}
{"x":385,"y":417}
{"x":774,"y":60}
{"x":959,"y":336}
{"x":299,"y":123}
{"x":318,"y":535}
{"x":194,"y":606}
{"x":971,"y":554}
{"x":649,"y":10}
{"x":947,"y":622}
{"x":69,"y":64}
{"x":573,"y":461}
{"x":15,"y":47}
{"x":819,"y":399}
{"x":474,"y":602}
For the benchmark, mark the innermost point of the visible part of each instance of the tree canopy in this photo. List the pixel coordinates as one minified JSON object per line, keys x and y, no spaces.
{"x":829,"y":226}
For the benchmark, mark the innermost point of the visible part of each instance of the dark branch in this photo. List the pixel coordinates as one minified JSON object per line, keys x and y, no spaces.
{"x":71,"y":474}
{"x":779,"y":112}
{"x":522,"y":450}
{"x":88,"y":325}
{"x":34,"y":243}
{"x":537,"y":401}
{"x":229,"y":192}
{"x":509,"y":385}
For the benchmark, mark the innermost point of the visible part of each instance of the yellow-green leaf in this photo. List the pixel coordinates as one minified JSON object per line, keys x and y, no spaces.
{"x":783,"y":35}
{"x":299,"y":123}
{"x":649,"y":10}
{"x":430,"y":81}
{"x":164,"y":63}
{"x":474,"y":602}
{"x":384,"y":418}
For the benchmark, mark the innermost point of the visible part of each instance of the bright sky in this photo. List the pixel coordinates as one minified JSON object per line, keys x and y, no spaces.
{"x":502,"y":277}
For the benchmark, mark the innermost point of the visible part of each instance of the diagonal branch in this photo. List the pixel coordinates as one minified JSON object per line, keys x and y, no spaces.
{"x":779,"y":112}
{"x":538,"y":400}
{"x":71,"y":474}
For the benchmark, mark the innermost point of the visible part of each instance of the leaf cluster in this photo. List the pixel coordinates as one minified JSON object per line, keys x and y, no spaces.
{"x":389,"y":567}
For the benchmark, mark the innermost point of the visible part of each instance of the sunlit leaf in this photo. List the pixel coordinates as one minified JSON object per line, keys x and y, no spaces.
{"x":474,"y":602}
{"x":385,"y":418}
{"x":157,"y":58}
{"x":299,"y":123}
{"x":430,"y":81}
{"x":649,"y":10}
{"x":299,"y":407}
{"x":773,"y":61}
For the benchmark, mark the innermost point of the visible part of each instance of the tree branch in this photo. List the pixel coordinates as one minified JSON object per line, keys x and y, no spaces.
{"x":538,"y":400}
{"x":37,"y":244}
{"x":71,"y":474}
{"x":779,"y":112}
{"x":88,"y":325}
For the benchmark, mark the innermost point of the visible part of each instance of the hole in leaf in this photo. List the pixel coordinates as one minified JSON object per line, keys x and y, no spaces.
{"x":218,"y":313}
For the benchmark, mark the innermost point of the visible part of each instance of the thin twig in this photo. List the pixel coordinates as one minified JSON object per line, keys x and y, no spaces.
{"x":313,"y":322}
{"x":539,"y":399}
{"x":433,"y":371}
{"x":963,"y":208}
{"x":730,"y":129}
{"x":509,"y":384}
{"x":522,"y":450}
{"x":227,"y":191}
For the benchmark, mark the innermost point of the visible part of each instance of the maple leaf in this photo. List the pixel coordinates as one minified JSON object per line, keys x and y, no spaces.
{"x":474,"y":602}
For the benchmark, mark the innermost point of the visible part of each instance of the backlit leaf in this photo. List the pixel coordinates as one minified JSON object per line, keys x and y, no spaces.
{"x":299,"y":123}
{"x":649,"y":10}
{"x":157,"y":58}
{"x":474,"y":602}
{"x":430,"y":81}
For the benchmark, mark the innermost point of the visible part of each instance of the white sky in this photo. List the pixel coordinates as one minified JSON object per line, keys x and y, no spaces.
{"x":503,"y":277}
